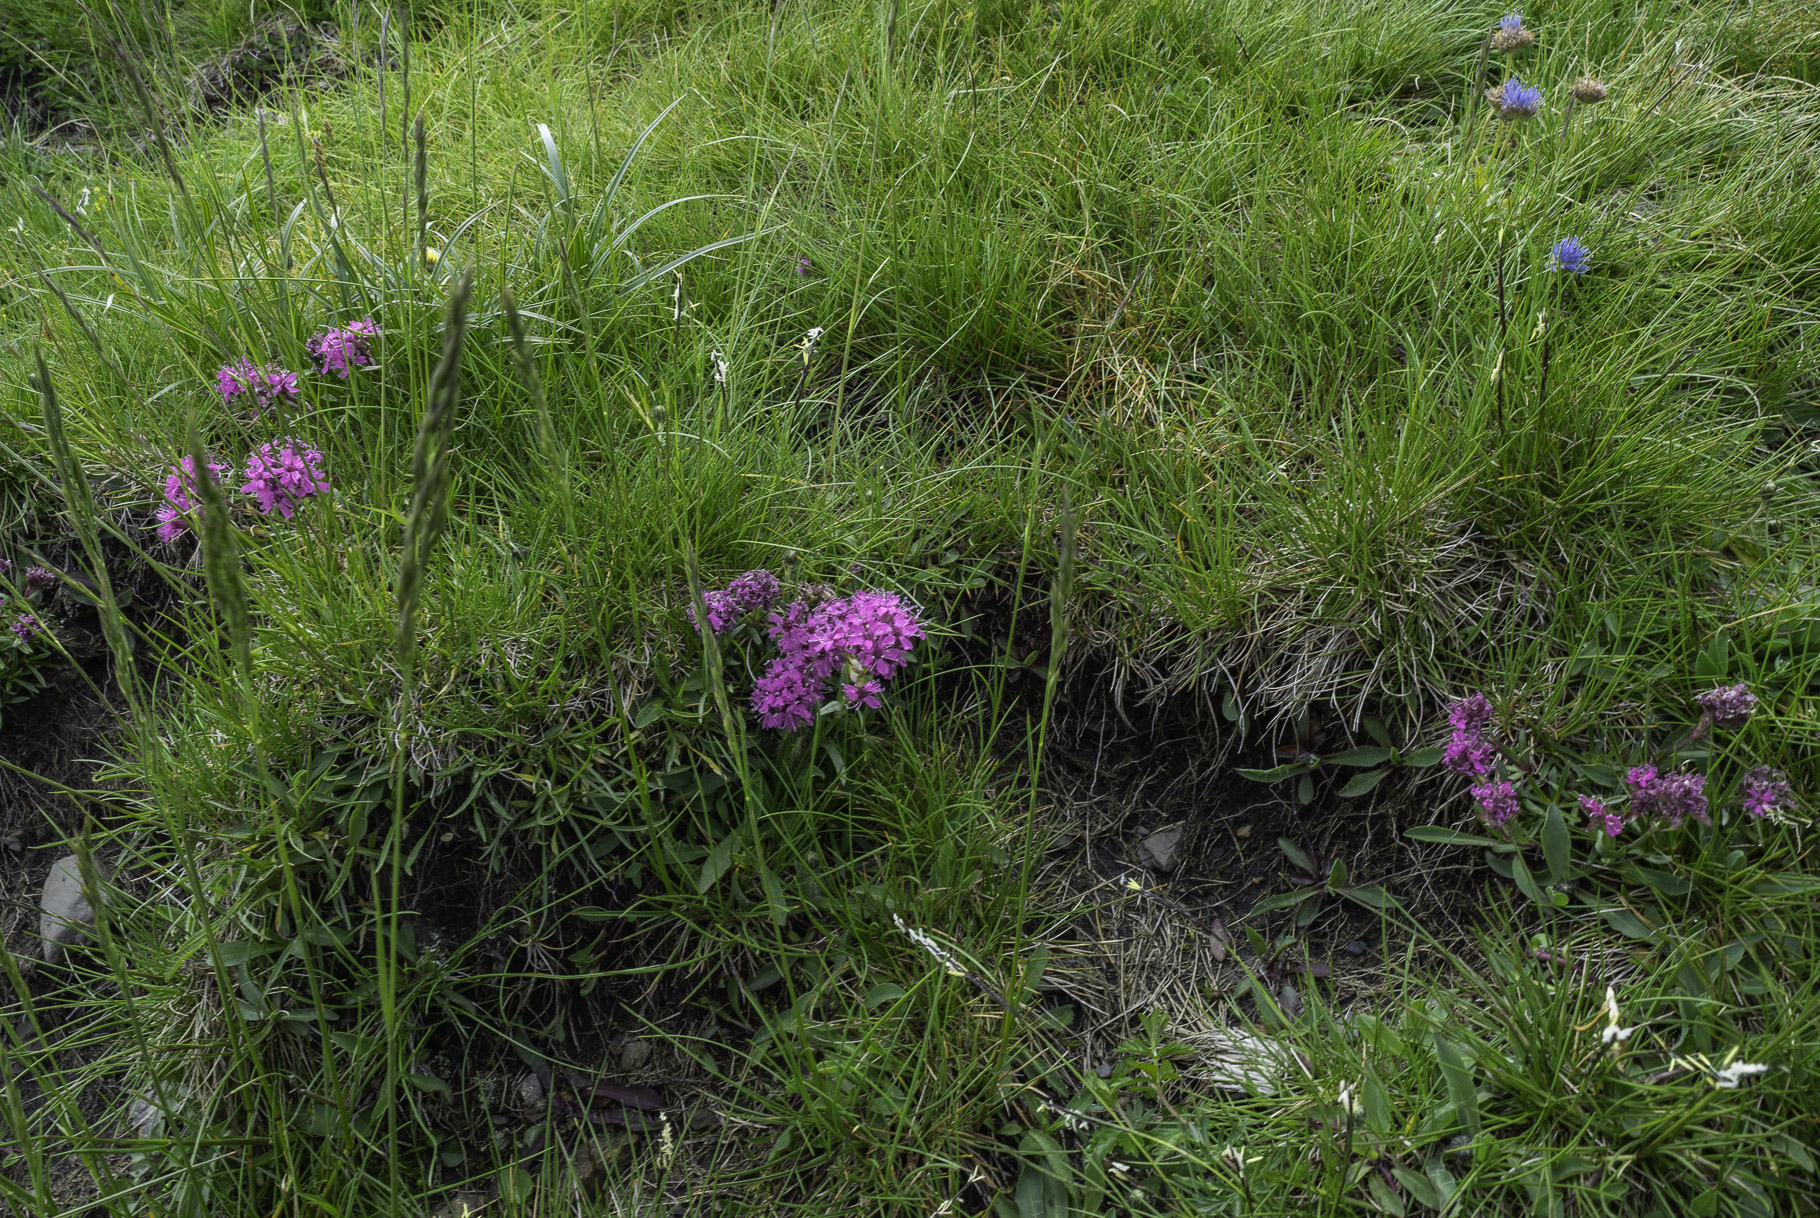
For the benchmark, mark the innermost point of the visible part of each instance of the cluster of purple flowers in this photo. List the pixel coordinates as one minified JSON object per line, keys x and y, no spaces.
{"x":863,"y":639}
{"x":278,"y":477}
{"x":1603,"y":819}
{"x":1515,"y":101}
{"x":341,"y":349}
{"x":174,"y":516}
{"x":1764,"y":790}
{"x":859,"y":642}
{"x":266,"y":384}
{"x":1672,"y":797}
{"x":1471,"y":752}
{"x":1727,"y":707}
{"x":750,"y":593}
{"x":26,"y":627}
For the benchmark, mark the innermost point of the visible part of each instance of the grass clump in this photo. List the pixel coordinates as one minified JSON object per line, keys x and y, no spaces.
{"x":1062,"y":365}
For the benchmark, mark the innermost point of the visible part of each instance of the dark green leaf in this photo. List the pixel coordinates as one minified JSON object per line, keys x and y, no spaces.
{"x":1337,"y":875}
{"x":1459,"y":1083}
{"x":1423,"y":758}
{"x":1296,"y":855}
{"x":719,"y":859}
{"x":1453,"y":837}
{"x":1627,"y":924}
{"x":1373,"y":896}
{"x":1362,"y":783}
{"x":1275,"y":773}
{"x":1555,"y":846}
{"x":1363,"y":755}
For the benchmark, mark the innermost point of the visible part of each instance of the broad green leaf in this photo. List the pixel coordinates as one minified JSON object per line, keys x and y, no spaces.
{"x":1627,"y":924}
{"x":1275,"y":773}
{"x":1363,"y":755}
{"x":429,"y":1082}
{"x":1337,"y":875}
{"x":1296,"y":855}
{"x":885,"y":992}
{"x":1384,"y":1196}
{"x":1421,"y":759}
{"x":719,"y":859}
{"x":1526,"y":882}
{"x":1362,"y":783}
{"x":1555,"y":846}
{"x":1284,"y":900}
{"x":1459,"y":1083}
{"x":1372,"y":896}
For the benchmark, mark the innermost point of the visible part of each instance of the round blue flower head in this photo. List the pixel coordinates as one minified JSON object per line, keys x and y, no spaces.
{"x":1570,"y":254}
{"x":1511,"y":34}
{"x":1515,"y":100}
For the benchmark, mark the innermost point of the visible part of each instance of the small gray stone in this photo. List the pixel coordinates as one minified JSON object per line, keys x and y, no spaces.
{"x":1162,"y":850}
{"x":14,"y":842}
{"x":530,"y":1091}
{"x":634,"y":1055}
{"x":64,"y":913}
{"x":145,"y":1117}
{"x":1355,"y":948}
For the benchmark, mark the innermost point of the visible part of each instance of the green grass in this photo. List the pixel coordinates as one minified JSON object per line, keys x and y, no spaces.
{"x":1209,"y":339}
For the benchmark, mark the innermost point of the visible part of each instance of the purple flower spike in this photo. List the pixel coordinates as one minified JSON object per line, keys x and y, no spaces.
{"x":754,"y":591}
{"x":27,"y":627}
{"x":1571,"y":255}
{"x":37,"y":579}
{"x":342,"y":349}
{"x":174,"y":516}
{"x":1511,"y":22}
{"x":280,"y":476}
{"x":1469,"y":752}
{"x":1603,"y":819}
{"x":1673,"y":797}
{"x":266,"y":384}
{"x":1497,"y":800}
{"x":1728,"y":706}
{"x":1765,"y":790}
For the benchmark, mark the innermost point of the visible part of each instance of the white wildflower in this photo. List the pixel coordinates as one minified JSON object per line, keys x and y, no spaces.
{"x":1614,"y":1034}
{"x":720,"y":368}
{"x":809,"y":341}
{"x":1735,"y":1073}
{"x":666,"y":1144}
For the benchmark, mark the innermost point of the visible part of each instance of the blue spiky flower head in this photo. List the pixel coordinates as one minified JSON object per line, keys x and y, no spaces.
{"x":1571,"y":255}
{"x":1515,"y":100}
{"x":1511,"y":34}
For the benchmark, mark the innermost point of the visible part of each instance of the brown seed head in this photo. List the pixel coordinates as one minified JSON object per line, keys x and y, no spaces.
{"x":1512,"y":40}
{"x":1588,"y":92}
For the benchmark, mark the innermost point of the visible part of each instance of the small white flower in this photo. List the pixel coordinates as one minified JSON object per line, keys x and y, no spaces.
{"x":666,"y":1144}
{"x":1614,"y":1034}
{"x":1349,"y":1099}
{"x":809,"y":341}
{"x":720,"y":368}
{"x":1737,"y":1072}
{"x":942,"y":955}
{"x":676,"y":299}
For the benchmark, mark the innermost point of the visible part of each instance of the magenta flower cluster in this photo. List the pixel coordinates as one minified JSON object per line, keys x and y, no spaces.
{"x":175,"y":515}
{"x":857,"y":642}
{"x":281,"y":476}
{"x":1764,"y":790}
{"x":1727,"y":707}
{"x":861,"y":640}
{"x":1468,"y":751}
{"x":753,"y":592}
{"x":26,"y":627}
{"x":266,"y":385}
{"x":341,"y":349}
{"x":1603,"y":819}
{"x":1673,"y":797}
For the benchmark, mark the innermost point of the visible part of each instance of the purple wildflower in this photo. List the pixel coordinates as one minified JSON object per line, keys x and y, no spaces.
{"x":1728,"y":706}
{"x":1511,"y":22}
{"x":6,"y":566}
{"x":1571,"y":255}
{"x":267,"y":384}
{"x":173,"y":517}
{"x":37,"y":579}
{"x":1511,"y":34}
{"x":1515,"y":100}
{"x":342,"y":349}
{"x":804,"y":267}
{"x":280,"y":476}
{"x":1497,"y":800}
{"x":866,"y":637}
{"x":1603,"y":819}
{"x":1469,"y":752}
{"x":1674,"y":797}
{"x":756,"y":590}
{"x":27,"y":627}
{"x":1764,"y":790}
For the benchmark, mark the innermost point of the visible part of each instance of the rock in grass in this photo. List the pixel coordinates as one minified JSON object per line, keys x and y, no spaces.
{"x":64,"y":914}
{"x":1162,"y":850}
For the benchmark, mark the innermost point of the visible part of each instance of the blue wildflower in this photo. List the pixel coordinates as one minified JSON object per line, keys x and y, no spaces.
{"x":1515,"y":100}
{"x":1571,"y":255}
